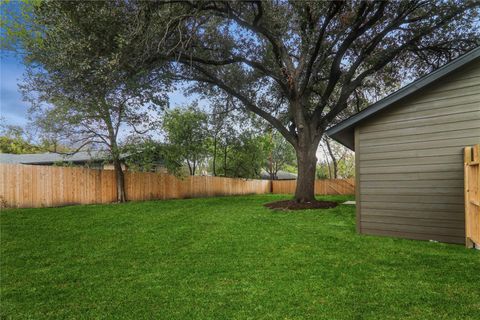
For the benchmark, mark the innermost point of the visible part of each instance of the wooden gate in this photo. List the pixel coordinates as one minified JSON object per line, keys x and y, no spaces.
{"x":472,"y":196}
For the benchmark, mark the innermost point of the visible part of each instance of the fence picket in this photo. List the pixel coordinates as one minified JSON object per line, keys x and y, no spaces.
{"x":23,"y":186}
{"x":322,"y":187}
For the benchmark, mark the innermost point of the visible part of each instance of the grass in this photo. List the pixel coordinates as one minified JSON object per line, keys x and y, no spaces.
{"x":224,"y":258}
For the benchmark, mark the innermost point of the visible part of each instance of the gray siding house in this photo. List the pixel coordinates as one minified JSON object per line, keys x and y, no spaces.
{"x":409,"y":154}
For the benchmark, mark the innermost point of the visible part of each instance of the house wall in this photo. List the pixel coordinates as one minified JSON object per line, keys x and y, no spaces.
{"x":410,"y":161}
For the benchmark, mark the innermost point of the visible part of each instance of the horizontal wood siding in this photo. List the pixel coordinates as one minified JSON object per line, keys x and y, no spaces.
{"x":410,"y":161}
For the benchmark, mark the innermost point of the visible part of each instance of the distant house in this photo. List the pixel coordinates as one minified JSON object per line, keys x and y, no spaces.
{"x":409,"y":154}
{"x":90,"y":159}
{"x":281,"y":175}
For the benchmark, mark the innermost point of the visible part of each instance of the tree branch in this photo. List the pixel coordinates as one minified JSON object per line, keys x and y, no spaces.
{"x":211,"y":79}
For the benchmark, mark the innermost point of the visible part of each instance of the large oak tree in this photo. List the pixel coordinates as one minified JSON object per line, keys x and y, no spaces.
{"x":300,"y":64}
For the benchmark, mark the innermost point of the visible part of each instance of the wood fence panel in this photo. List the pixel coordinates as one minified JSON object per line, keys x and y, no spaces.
{"x":322,"y":187}
{"x":44,"y":186}
{"x":24,"y":186}
{"x":472,"y":196}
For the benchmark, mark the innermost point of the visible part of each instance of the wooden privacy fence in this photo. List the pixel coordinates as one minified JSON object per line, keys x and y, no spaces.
{"x":472,"y":196}
{"x":25,"y":186}
{"x":29,"y":186}
{"x":322,"y":187}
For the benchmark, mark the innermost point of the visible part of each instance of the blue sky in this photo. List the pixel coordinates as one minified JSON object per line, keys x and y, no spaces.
{"x":14,"y":110}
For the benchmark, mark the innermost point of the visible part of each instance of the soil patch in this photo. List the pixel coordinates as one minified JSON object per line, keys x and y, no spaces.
{"x":293,"y":205}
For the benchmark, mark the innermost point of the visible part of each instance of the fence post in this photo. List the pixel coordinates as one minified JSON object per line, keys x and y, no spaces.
{"x":472,"y":196}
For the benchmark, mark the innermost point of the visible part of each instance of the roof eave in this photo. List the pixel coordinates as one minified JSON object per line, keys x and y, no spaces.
{"x":335,"y":131}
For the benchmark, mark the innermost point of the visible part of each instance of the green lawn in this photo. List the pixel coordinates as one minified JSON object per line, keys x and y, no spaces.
{"x":224,"y":258}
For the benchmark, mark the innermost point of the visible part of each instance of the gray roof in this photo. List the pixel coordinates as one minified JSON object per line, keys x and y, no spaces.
{"x":50,"y":157}
{"x":281,"y":175}
{"x":344,"y":131}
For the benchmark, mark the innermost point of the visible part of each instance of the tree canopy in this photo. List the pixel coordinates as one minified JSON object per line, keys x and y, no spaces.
{"x":186,"y":136}
{"x":82,"y":82}
{"x":14,"y":140}
{"x":281,"y":155}
{"x":299,"y":65}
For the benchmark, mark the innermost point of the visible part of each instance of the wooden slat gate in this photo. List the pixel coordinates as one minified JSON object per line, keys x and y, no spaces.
{"x":472,"y":196}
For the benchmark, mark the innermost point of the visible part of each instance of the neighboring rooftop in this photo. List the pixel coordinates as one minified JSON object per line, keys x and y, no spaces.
{"x":281,"y":175}
{"x":344,"y":131}
{"x":51,"y":157}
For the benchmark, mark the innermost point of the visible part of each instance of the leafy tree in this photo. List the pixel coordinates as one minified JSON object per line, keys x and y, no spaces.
{"x":339,"y":161}
{"x":336,"y":153}
{"x":81,"y":80}
{"x":300,"y":64}
{"x":13,"y":139}
{"x":19,"y":140}
{"x":281,"y":155}
{"x":143,"y":154}
{"x":186,"y":135}
{"x":221,"y":131}
{"x":323,"y":170}
{"x":238,"y":146}
{"x":51,"y":133}
{"x":346,"y":167}
{"x":243,"y":155}
{"x":230,"y":133}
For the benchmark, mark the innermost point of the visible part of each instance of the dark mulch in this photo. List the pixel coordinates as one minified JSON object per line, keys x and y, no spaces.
{"x":293,"y":205}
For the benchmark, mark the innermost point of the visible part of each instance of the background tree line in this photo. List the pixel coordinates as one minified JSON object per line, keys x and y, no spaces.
{"x":194,"y":142}
{"x":96,"y":68}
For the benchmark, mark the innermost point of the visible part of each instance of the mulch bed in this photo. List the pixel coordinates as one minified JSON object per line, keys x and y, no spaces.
{"x":293,"y":205}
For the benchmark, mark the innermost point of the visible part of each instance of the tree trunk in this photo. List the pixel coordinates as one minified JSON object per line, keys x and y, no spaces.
{"x":334,"y":160}
{"x":272,"y":175}
{"x":121,"y":197}
{"x":307,"y":162}
{"x":215,"y":155}
{"x":270,"y":169}
{"x":225,"y":162}
{"x":189,"y":167}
